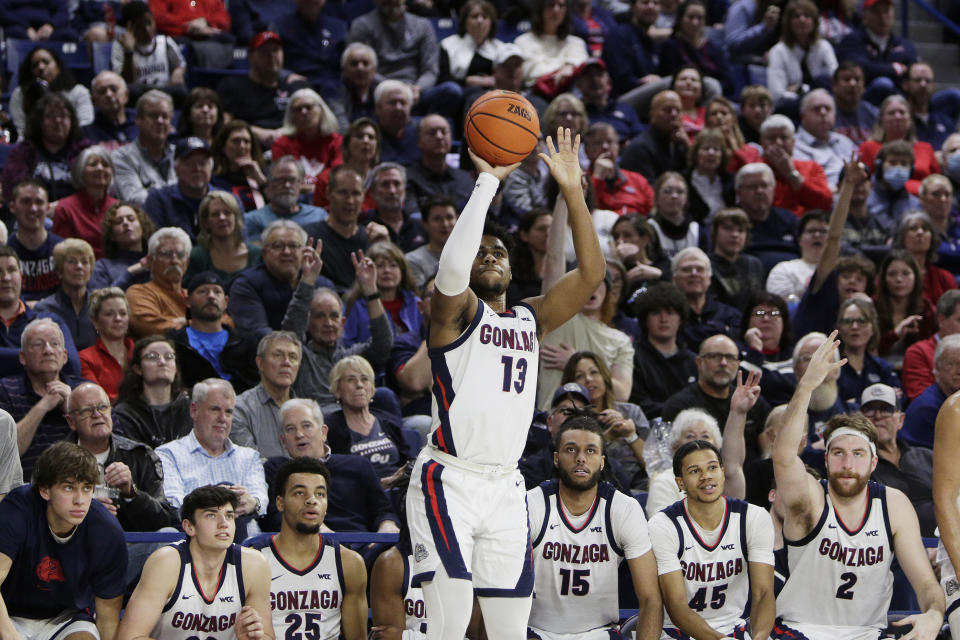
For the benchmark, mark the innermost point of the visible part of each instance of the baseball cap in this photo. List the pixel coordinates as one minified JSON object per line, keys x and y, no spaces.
{"x":879,"y":393}
{"x":507,"y":51}
{"x":570,"y":389}
{"x":202,"y":278}
{"x":872,"y":3}
{"x":592,"y":62}
{"x":265,"y":37}
{"x":188,"y":145}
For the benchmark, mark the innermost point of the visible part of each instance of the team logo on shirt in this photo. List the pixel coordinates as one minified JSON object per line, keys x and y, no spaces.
{"x":420,"y":553}
{"x":50,"y":570}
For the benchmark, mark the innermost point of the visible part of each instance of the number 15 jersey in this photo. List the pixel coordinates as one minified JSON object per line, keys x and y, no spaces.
{"x":485,"y":387}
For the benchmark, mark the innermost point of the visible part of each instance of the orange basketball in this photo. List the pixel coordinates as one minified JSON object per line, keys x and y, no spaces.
{"x":502,"y":127}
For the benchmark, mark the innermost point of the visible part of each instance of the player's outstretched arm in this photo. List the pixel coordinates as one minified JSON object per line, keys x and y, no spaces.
{"x":912,"y":556}
{"x":854,"y":171}
{"x":734,"y":448}
{"x":763,"y":602}
{"x":386,"y":601}
{"x":7,"y":630}
{"x":157,"y":582}
{"x":108,"y":616}
{"x":571,"y":291}
{"x":685,"y":618}
{"x":643,"y":571}
{"x":353,"y":612}
{"x":453,"y":303}
{"x":802,"y":497}
{"x":946,"y":476}
{"x":256,"y":615}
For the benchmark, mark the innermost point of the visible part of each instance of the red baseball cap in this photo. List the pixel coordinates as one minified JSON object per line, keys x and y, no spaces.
{"x":872,"y":3}
{"x":265,"y":37}
{"x":592,"y":62}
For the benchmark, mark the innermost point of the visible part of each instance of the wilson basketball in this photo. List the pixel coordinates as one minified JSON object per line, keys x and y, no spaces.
{"x":502,"y":127}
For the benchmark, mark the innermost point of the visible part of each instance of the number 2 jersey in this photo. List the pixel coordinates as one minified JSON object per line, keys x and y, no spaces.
{"x":714,"y":564}
{"x":840,"y":582}
{"x":305,"y":603}
{"x":485,"y":387}
{"x":576,"y":558}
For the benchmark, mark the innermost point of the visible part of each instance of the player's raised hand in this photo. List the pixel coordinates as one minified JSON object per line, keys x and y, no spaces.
{"x":746,"y":393}
{"x":926,"y":626}
{"x":249,"y":625}
{"x":822,"y":364}
{"x":483,"y":166}
{"x":563,"y":158}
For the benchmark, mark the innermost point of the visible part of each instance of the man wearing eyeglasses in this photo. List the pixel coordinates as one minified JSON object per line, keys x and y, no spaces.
{"x":131,"y":481}
{"x":161,"y":303}
{"x":900,"y":465}
{"x":717,"y":364}
{"x":283,"y":193}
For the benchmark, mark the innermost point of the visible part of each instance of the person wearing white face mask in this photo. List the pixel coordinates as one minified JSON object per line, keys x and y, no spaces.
{"x":890,"y":197}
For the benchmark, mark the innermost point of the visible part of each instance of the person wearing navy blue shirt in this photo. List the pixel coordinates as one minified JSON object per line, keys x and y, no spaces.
{"x":773,"y":231}
{"x":393,"y":101}
{"x":111,"y":127}
{"x":594,"y":84}
{"x":356,"y":500}
{"x":313,"y":44}
{"x":922,"y":412}
{"x":935,"y":115}
{"x":631,"y":55}
{"x":691,"y":273}
{"x":62,"y":554}
{"x":176,"y":205}
{"x":859,"y":335}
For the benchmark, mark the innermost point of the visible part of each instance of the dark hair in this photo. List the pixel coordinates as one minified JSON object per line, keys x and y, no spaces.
{"x":570,"y":374}
{"x":846,"y":65}
{"x":353,"y":130}
{"x":702,"y":139}
{"x":437,"y":200}
{"x":767,"y":299}
{"x":903,"y":228}
{"x":6,"y":251}
{"x":915,"y":305}
{"x":814,"y":215}
{"x":673,"y":80}
{"x":794,"y":7}
{"x":857,"y":263}
{"x":491,"y":228}
{"x":682,"y":9}
{"x":337,"y":171}
{"x":199,"y":94}
{"x":643,"y":228}
{"x":33,"y":89}
{"x":689,"y":447}
{"x":34,"y":127}
{"x":220,"y":163}
{"x":582,"y":420}
{"x":27,"y":182}
{"x":210,"y":496}
{"x":487,"y":8}
{"x":297,"y":465}
{"x":65,"y":461}
{"x":536,"y":20}
{"x":521,"y":258}
{"x":661,"y":296}
{"x":131,"y":387}
{"x":110,"y":247}
{"x":869,"y":311}
{"x":733,"y":216}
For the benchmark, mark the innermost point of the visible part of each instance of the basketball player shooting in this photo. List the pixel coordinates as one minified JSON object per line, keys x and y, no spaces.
{"x":466,"y":506}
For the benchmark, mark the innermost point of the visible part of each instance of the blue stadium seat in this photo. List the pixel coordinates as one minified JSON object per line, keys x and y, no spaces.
{"x":443,"y":27}
{"x":4,"y":152}
{"x":508,"y":31}
{"x":75,"y":55}
{"x":101,"y":56}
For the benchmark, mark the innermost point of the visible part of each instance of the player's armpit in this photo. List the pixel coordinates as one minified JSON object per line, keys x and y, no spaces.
{"x":353,"y":612}
{"x":157,"y":582}
{"x":256,"y":579}
{"x":386,"y":587}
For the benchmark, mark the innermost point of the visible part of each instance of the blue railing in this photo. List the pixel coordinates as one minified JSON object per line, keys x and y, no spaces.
{"x":346,"y":537}
{"x":930,"y":9}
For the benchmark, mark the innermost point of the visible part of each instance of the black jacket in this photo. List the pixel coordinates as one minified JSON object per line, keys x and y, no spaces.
{"x":148,"y":510}
{"x":140,"y":422}
{"x":656,"y":378}
{"x":238,"y":358}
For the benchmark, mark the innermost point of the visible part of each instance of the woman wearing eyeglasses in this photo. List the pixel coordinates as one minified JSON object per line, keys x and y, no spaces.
{"x":769,"y":342}
{"x":859,"y":335}
{"x":789,"y":279}
{"x":152,"y":407}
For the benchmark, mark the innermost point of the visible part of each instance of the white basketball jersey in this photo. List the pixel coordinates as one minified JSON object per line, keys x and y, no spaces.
{"x":485,"y":387}
{"x":189,"y":613}
{"x":840,"y":583}
{"x":305,"y":601}
{"x":715,"y":572}
{"x":576,"y":560}
{"x":414,"y":605}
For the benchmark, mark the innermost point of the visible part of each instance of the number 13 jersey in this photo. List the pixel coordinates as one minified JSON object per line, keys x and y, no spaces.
{"x":485,"y":387}
{"x":840,"y":583}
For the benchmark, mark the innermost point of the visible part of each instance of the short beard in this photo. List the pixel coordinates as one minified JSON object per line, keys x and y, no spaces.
{"x":843,"y":492}
{"x":577,"y":484}
{"x":204,"y":316}
{"x":824,"y":396}
{"x":286,"y":201}
{"x":308,"y":529}
{"x":489,"y":293}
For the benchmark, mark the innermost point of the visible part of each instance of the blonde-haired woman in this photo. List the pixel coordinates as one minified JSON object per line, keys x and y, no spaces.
{"x":310,"y":135}
{"x":106,"y":361}
{"x":73,"y":261}
{"x":220,"y":247}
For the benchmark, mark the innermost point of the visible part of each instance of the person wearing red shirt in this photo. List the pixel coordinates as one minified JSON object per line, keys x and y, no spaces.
{"x":190,"y":18}
{"x":309,"y":134}
{"x":801,"y":185}
{"x":616,"y":189}
{"x":895,"y":122}
{"x":80,"y":215}
{"x":918,"y":360}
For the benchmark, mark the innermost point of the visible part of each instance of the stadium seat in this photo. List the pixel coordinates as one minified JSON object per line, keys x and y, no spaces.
{"x":100,"y":54}
{"x":4,"y":152}
{"x":443,"y":27}
{"x":508,"y":31}
{"x":629,"y":627}
{"x":75,"y":55}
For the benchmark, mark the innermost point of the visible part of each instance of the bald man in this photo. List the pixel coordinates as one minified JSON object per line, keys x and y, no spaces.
{"x":663,"y":146}
{"x":111,"y":127}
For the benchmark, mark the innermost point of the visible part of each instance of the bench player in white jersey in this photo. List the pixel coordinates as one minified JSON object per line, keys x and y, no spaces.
{"x":465,"y":506}
{"x":713,"y":554}
{"x":582,"y":529}
{"x":946,"y":502}
{"x":840,"y":536}
{"x":318,"y":588}
{"x":205,"y":586}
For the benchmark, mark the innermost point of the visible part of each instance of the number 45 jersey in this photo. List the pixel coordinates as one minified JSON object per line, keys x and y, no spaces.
{"x":840,"y":582}
{"x":576,"y":558}
{"x":485,"y":387}
{"x":713,"y":564}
